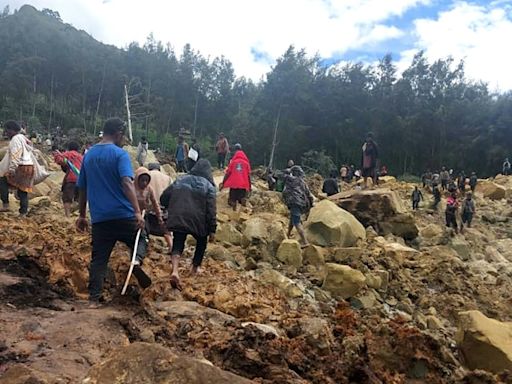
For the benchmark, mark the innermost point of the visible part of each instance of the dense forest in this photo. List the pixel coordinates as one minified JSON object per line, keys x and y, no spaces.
{"x":430,"y":115}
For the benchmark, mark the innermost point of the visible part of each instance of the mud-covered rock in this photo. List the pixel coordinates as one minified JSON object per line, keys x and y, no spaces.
{"x":228,"y":233}
{"x":151,"y":363}
{"x":329,"y":225}
{"x":289,"y":287}
{"x":381,"y":208}
{"x":290,"y":253}
{"x":491,"y":190}
{"x":313,"y":255}
{"x":343,"y":281}
{"x":484,"y":342}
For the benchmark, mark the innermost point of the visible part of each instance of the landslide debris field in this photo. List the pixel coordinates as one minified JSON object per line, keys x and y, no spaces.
{"x":398,"y":300}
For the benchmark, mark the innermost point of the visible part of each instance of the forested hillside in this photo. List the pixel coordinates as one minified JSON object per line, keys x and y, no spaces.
{"x":429,"y":115}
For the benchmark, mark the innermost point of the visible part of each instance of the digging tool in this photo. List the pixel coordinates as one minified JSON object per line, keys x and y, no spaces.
{"x":134,"y":259}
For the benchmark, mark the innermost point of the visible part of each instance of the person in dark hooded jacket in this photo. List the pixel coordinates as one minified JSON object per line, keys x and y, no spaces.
{"x":298,"y":199}
{"x":330,"y":186}
{"x":191,"y":204}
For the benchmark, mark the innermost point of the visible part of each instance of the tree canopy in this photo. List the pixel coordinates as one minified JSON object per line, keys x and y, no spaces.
{"x":426,"y":117}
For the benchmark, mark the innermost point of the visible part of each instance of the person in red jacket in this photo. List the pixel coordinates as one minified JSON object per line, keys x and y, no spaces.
{"x":237,"y":178}
{"x":69,"y":190}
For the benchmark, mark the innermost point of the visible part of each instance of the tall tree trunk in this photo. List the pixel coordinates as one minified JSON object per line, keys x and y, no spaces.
{"x":99,"y":99}
{"x":128,"y":114}
{"x":148,"y":97}
{"x":51,"y":105}
{"x":195,"y":113}
{"x":84,"y":97}
{"x":34,"y":96}
{"x":274,"y":139}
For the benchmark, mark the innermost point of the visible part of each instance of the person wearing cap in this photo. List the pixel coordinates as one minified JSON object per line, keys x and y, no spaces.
{"x":237,"y":178}
{"x":222,"y":149}
{"x":106,"y":183}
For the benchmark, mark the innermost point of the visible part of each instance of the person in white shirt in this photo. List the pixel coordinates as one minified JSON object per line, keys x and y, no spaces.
{"x":17,"y":171}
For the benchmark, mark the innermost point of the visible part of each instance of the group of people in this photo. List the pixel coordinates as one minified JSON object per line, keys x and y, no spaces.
{"x":452,"y":185}
{"x":122,"y":202}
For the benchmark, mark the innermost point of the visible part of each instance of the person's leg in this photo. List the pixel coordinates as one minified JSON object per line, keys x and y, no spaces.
{"x":23,"y":202}
{"x":102,"y":244}
{"x":290,"y":227}
{"x":219,"y":160}
{"x":178,"y":246}
{"x":201,"y":243}
{"x":302,"y":234}
{"x":168,"y":240}
{"x":4,"y":193}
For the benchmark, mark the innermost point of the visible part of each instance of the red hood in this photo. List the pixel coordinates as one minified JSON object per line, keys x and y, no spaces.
{"x":240,"y":155}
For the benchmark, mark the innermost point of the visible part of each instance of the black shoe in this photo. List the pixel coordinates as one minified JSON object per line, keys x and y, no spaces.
{"x":143,"y":279}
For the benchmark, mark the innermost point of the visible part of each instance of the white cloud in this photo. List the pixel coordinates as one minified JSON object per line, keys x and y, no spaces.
{"x":234,"y":27}
{"x":476,"y":34}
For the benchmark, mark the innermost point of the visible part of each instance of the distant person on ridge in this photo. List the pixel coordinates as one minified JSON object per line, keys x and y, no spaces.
{"x":298,"y":199}
{"x":445,"y":178}
{"x":237,"y":178}
{"x":468,"y":210}
{"x":370,"y":154}
{"x":330,"y":186}
{"x":142,"y":151}
{"x":19,"y":168}
{"x":222,"y":149}
{"x":181,"y":154}
{"x":473,"y":181}
{"x":192,"y":208}
{"x":416,"y":197}
{"x":106,"y":182}
{"x":506,"y":169}
{"x":69,"y":189}
{"x":452,"y":205}
{"x":343,"y":173}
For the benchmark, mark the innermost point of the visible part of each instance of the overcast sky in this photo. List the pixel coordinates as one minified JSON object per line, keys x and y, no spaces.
{"x":253,"y":33}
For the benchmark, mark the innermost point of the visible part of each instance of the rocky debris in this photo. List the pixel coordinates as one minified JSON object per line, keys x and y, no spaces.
{"x":491,"y":190}
{"x":268,"y":201}
{"x":169,"y":170}
{"x":132,"y":151}
{"x":290,"y":253}
{"x":329,"y":225}
{"x":152,"y":363}
{"x":342,"y":281}
{"x":485,"y":343}
{"x":380,"y":208}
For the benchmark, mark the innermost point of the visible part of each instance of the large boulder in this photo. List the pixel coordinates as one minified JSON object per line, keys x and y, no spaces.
{"x":151,"y":363}
{"x":491,"y":190}
{"x":381,"y":209}
{"x":264,"y":232}
{"x":485,"y":343}
{"x":342,"y":281}
{"x":329,"y":225}
{"x":132,"y":151}
{"x":313,"y":255}
{"x":290,"y":253}
{"x":169,"y":171}
{"x":228,"y":233}
{"x":399,"y":252}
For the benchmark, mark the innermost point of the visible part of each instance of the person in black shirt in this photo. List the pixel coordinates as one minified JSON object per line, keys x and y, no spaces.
{"x":330,"y":186}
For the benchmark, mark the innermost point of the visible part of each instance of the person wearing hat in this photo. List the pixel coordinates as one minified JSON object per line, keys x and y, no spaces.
{"x":222,"y":149}
{"x":106,"y":182}
{"x":237,"y":178}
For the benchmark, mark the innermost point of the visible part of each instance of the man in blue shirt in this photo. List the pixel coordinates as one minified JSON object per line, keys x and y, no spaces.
{"x":106,"y":182}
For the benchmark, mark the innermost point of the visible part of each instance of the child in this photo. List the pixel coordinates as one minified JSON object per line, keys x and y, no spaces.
{"x":147,"y":201}
{"x":468,"y":210}
{"x":69,"y":190}
{"x":437,"y":196}
{"x":451,"y":211}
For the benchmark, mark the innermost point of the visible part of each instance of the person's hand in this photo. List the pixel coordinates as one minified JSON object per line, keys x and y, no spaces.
{"x":211,"y":239}
{"x":139,"y":220}
{"x":82,"y":224}
{"x":221,"y":186}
